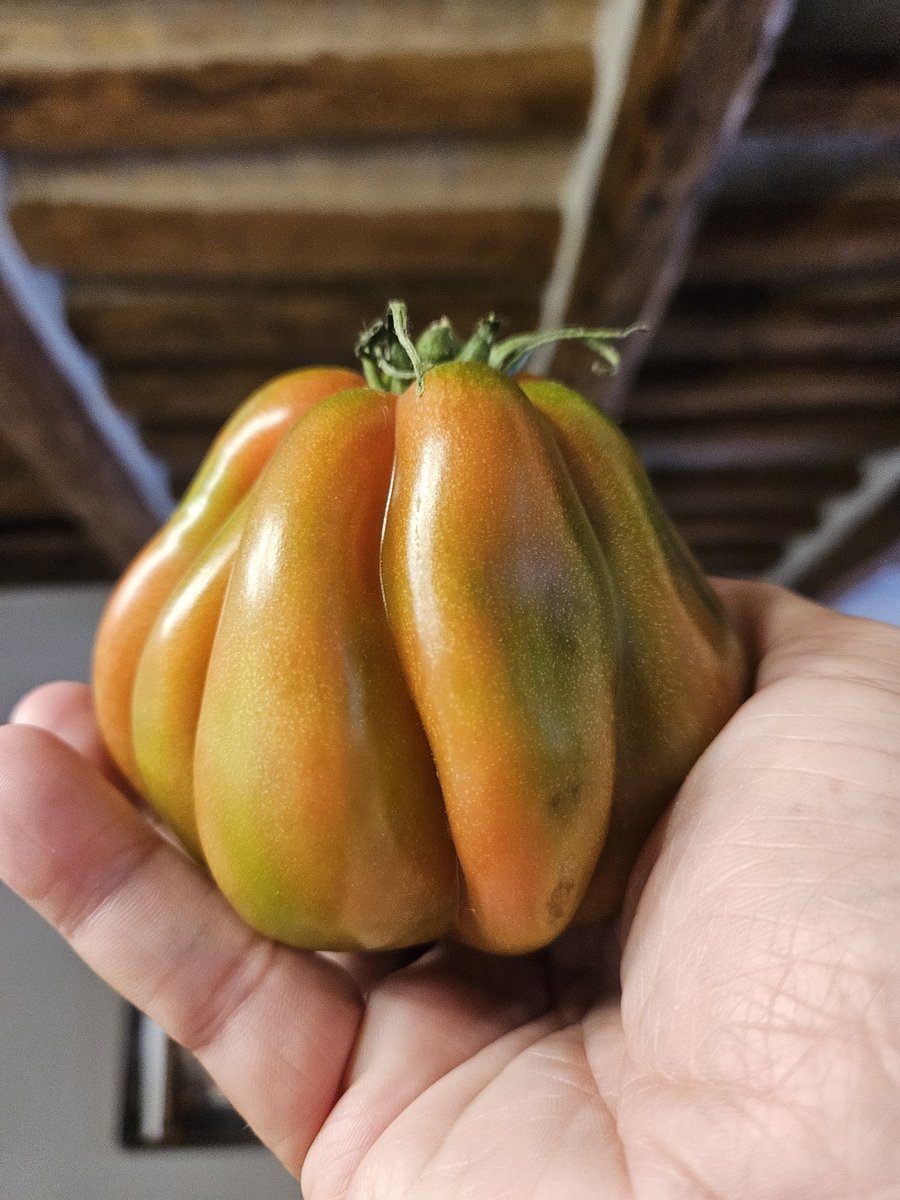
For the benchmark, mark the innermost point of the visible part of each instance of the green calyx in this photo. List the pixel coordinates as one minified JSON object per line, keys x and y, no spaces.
{"x":391,"y":360}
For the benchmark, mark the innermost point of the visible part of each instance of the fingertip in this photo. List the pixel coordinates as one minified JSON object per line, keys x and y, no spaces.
{"x":50,"y":705}
{"x":66,"y":709}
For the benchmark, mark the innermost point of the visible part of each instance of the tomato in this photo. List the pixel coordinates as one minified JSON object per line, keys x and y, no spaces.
{"x":417,"y":659}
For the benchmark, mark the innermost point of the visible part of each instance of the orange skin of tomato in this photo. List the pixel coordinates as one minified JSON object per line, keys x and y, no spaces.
{"x":239,"y":453}
{"x":317,"y":801}
{"x":171,"y":677}
{"x":502,"y":609}
{"x":674,"y":632}
{"x":432,"y":668}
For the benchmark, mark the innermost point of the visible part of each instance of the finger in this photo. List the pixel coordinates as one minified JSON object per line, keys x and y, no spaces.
{"x":787,"y":634}
{"x":420,"y":1024}
{"x":67,"y":710}
{"x":273,"y":1026}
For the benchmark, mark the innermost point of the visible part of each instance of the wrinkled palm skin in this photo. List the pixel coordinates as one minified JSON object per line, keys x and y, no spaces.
{"x":408,"y":667}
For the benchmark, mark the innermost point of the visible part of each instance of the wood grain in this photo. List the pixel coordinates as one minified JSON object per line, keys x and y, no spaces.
{"x":214,"y":74}
{"x":744,"y":529}
{"x":283,"y":246}
{"x":454,"y":209}
{"x":21,"y":495}
{"x":782,"y":243}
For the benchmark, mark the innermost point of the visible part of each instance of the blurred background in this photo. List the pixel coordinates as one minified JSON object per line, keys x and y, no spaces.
{"x":198,"y":195}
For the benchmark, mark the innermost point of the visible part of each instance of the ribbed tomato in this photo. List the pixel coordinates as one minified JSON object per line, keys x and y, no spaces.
{"x":416,"y":659}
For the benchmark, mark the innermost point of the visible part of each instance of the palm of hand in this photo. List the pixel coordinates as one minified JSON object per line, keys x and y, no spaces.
{"x":754,"y":1050}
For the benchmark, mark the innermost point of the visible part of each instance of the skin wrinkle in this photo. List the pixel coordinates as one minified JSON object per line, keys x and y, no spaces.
{"x":564,"y":1078}
{"x":768,"y":1116}
{"x":646,"y":1087}
{"x":514,"y":1013}
{"x":811,"y":820}
{"x":135,"y":864}
{"x":813,"y":773}
{"x":839,"y":674}
{"x":602,"y":1086}
{"x":435,"y":1150}
{"x":806,"y":739}
{"x":835,"y":713}
{"x":777,"y":990}
{"x":569,"y":1085}
{"x":573,"y":1089}
{"x":40,"y":894}
{"x":240,"y":983}
{"x":134,"y":859}
{"x":812,"y":1037}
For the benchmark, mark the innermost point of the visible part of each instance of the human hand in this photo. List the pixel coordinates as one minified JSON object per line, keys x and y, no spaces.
{"x":753,"y":1050}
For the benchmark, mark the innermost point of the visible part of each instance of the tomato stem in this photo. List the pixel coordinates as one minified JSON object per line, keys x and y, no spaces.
{"x":391,"y":360}
{"x":397,"y":311}
{"x":512,"y":353}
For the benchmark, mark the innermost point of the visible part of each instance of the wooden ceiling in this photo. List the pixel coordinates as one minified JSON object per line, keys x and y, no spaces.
{"x":227,"y":189}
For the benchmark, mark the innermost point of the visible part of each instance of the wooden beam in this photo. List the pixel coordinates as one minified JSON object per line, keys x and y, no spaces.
{"x":220,"y":73}
{"x":182,"y":448}
{"x":58,"y":420}
{"x":761,"y":390}
{"x":823,"y":28}
{"x":774,"y":332}
{"x":266,"y":244}
{"x":780,"y":491}
{"x":828,"y":94}
{"x":203,"y":392}
{"x":472,"y":209}
{"x":765,"y":168}
{"x":862,"y":289}
{"x":780,"y":243}
{"x":714,"y":528}
{"x":769,"y":442}
{"x":205,"y":327}
{"x":695,"y":70}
